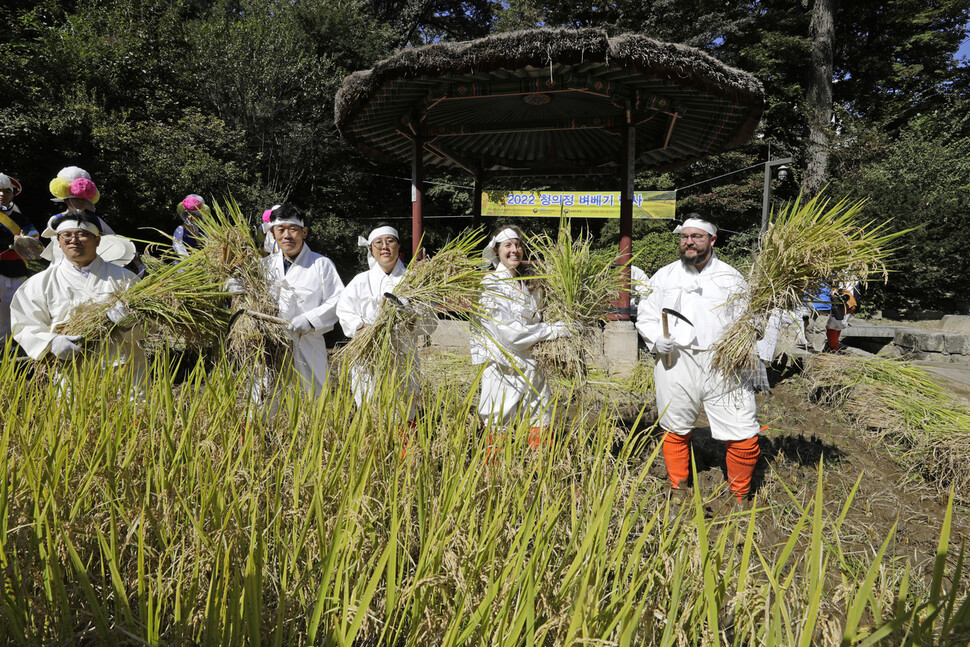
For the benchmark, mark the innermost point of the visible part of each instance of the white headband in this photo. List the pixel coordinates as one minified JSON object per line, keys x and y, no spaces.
{"x":697,"y":223}
{"x":276,"y":220}
{"x":489,"y":252}
{"x":380,"y":231}
{"x":76,"y":224}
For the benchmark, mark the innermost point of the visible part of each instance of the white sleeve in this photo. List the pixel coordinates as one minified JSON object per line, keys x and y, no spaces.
{"x":347,"y":309}
{"x":508,"y":330}
{"x":649,"y":324}
{"x":324,"y":316}
{"x":31,"y":320}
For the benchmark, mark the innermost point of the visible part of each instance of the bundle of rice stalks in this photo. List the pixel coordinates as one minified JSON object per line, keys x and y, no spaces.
{"x":808,"y":248}
{"x":229,"y":251}
{"x":448,"y":281}
{"x":579,"y":289}
{"x":924,"y":425}
{"x":181,"y":300}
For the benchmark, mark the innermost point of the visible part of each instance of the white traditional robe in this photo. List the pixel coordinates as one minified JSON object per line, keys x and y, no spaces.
{"x":359,"y":305}
{"x":712,"y":300}
{"x":311,"y":287}
{"x":47,"y":299}
{"x":511,"y":381}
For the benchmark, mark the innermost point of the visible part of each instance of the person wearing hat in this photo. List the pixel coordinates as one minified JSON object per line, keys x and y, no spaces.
{"x":74,"y":188}
{"x":269,"y":242}
{"x":512,"y":383}
{"x":187,"y":234}
{"x":47,"y":299}
{"x":13,"y":269}
{"x":359,"y":306}
{"x":710,"y":294}
{"x":306,"y":287}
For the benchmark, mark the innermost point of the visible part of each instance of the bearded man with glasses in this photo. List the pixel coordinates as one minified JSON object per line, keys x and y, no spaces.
{"x":710,"y":294}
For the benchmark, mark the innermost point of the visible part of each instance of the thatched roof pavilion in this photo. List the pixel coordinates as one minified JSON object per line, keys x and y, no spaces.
{"x":548,"y":103}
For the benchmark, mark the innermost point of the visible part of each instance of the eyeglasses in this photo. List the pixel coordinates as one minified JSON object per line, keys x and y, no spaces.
{"x":82,"y":236}
{"x":384,"y":242}
{"x":693,"y":236}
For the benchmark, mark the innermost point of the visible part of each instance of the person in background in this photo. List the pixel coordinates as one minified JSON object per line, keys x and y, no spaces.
{"x":709,"y":293}
{"x":269,"y":242}
{"x":187,"y":235}
{"x":13,"y":269}
{"x":512,"y":383}
{"x":361,"y":303}
{"x":74,"y":188}
{"x":47,"y":299}
{"x":843,"y":300}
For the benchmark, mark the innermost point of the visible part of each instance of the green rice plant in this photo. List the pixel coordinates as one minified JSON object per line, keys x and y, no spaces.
{"x":899,"y":405}
{"x":578,"y":288}
{"x":448,"y":281}
{"x":172,"y":520}
{"x":808,"y":247}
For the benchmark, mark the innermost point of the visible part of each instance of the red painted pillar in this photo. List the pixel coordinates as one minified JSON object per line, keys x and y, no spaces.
{"x":417,"y":194}
{"x":626,"y":217}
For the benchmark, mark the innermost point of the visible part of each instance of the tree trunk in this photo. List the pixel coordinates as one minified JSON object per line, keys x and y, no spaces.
{"x":818,"y":96}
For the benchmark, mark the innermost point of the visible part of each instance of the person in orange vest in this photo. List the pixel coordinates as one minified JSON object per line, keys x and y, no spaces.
{"x":13,"y":270}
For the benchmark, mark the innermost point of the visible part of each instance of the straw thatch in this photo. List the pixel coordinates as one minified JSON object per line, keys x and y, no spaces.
{"x":717,"y":106}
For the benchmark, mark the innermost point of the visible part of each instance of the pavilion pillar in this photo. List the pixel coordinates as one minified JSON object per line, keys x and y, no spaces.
{"x":620,"y":340}
{"x":477,"y":202}
{"x":417,"y":194}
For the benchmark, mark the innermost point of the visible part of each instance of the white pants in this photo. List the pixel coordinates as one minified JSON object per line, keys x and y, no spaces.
{"x":778,"y":319}
{"x":505,"y":393}
{"x":407,"y":387}
{"x":689,"y":383}
{"x":7,"y":287}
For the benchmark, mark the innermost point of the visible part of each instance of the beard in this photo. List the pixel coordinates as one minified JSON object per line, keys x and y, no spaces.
{"x":699,"y":257}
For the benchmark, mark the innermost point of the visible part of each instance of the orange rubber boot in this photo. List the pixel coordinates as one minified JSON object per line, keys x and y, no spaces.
{"x":494,"y":442}
{"x":742,"y":456}
{"x":535,"y":438}
{"x":833,"y":338}
{"x":405,"y":435}
{"x":676,"y":450}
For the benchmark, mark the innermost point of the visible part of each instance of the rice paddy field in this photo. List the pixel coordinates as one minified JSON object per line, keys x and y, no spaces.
{"x":184,"y":516}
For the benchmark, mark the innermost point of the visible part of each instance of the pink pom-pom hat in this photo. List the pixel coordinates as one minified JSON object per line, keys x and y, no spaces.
{"x":82,"y":187}
{"x":192,"y":202}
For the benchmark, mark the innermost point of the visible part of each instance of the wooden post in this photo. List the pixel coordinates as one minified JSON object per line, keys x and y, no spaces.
{"x":417,"y":194}
{"x":628,"y":153}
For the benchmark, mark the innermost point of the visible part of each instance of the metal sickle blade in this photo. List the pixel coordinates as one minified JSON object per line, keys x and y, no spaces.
{"x":674,"y":313}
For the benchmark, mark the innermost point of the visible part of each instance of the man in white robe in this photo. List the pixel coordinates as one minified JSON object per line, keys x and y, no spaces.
{"x":306,"y":287}
{"x":46,"y":299}
{"x":710,"y":294}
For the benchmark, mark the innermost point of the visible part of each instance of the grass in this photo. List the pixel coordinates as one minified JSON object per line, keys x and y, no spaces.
{"x":169,"y":521}
{"x":925,"y":427}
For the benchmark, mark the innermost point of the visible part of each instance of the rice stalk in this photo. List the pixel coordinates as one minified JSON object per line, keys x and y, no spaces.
{"x":448,"y":281}
{"x":181,"y":300}
{"x":579,"y":289}
{"x":925,"y":426}
{"x":808,"y":247}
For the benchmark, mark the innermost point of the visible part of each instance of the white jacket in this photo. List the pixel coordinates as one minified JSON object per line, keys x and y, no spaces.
{"x":712,"y":299}
{"x":512,"y":325}
{"x":48,"y":298}
{"x":310,"y":287}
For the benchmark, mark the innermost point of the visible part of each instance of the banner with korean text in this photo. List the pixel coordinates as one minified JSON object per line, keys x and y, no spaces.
{"x":577,"y":204}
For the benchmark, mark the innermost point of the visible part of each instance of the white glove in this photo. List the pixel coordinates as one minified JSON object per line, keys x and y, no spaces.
{"x":63,"y":346}
{"x":235,"y":286}
{"x":300,"y":325}
{"x":665,"y":345}
{"x":559,"y":329}
{"x":118,"y":312}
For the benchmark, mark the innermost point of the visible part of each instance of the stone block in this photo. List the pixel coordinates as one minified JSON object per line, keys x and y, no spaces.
{"x":451,"y":334}
{"x":920,"y":340}
{"x":620,"y":347}
{"x":958,"y":344}
{"x":956,"y":323}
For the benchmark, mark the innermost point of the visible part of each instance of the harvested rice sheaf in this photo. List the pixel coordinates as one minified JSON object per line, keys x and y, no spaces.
{"x":923,"y":424}
{"x":808,"y":247}
{"x":448,"y":281}
{"x":579,"y":289}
